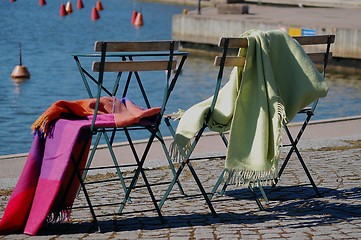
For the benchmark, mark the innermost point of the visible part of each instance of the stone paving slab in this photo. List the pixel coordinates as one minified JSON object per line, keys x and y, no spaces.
{"x":293,"y":212}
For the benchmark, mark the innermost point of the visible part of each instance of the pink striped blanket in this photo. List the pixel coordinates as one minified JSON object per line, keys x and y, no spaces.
{"x":40,"y":191}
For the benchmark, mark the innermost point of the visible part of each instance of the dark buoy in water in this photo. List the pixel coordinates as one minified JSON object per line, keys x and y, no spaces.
{"x":20,"y":72}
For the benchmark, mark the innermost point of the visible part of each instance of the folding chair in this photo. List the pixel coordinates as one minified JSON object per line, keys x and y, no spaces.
{"x":132,"y":67}
{"x":230,"y":46}
{"x":318,"y":49}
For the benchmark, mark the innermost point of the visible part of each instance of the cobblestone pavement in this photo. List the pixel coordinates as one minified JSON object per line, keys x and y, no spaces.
{"x":293,"y":211}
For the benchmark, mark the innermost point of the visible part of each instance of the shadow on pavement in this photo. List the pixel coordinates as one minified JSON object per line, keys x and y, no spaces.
{"x":295,"y":206}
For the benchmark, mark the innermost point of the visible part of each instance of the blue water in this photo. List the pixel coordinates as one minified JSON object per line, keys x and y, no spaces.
{"x":48,"y":41}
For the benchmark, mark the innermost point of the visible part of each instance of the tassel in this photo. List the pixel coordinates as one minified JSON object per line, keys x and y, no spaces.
{"x":177,"y":154}
{"x":246,"y":177}
{"x":178,"y":115}
{"x":41,"y":126}
{"x":174,"y":153}
{"x":59,"y":216}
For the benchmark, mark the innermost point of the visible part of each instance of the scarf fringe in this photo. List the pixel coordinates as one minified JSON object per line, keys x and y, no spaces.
{"x":254,"y":178}
{"x":282,"y":122}
{"x":176,"y":154}
{"x":59,"y":216}
{"x":176,"y":116}
{"x":40,"y":126}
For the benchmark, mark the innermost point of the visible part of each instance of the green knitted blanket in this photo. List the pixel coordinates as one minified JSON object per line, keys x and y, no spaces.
{"x":278,"y":80}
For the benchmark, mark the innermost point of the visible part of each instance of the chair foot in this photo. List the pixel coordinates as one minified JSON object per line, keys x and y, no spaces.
{"x":319,"y":195}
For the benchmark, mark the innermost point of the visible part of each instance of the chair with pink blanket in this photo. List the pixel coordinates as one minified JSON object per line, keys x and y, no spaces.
{"x":131,"y":69}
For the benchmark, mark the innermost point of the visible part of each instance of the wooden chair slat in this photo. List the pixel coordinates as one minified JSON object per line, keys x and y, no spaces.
{"x":134,"y":66}
{"x":316,"y":57}
{"x":234,"y":42}
{"x":135,"y":46}
{"x":314,"y":40}
{"x":303,"y":40}
{"x":230,"y":61}
{"x":319,"y":57}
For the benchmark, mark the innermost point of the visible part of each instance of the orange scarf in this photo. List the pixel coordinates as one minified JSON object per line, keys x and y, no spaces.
{"x":125,"y":111}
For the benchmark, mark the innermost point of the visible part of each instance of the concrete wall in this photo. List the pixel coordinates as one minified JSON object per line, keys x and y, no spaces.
{"x":313,"y":3}
{"x":208,"y":30}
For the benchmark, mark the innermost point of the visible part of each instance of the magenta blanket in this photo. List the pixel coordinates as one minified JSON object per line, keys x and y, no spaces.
{"x":41,"y":188}
{"x":45,"y":176}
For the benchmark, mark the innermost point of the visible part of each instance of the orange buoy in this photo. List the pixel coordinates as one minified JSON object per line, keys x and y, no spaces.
{"x":20,"y":71}
{"x":69,"y":7}
{"x":62,"y":11}
{"x":99,"y":6}
{"x":134,"y":16}
{"x":80,"y":4}
{"x":95,"y":15}
{"x":139,"y":20}
{"x":42,"y":2}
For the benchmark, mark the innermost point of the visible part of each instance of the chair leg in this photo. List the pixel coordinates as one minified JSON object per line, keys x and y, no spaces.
{"x":112,"y":154}
{"x":201,"y":188}
{"x":90,"y":158}
{"x":139,"y":171}
{"x":295,"y":149}
{"x":82,"y":185}
{"x":307,"y":172}
{"x":262,"y":192}
{"x":92,"y":212}
{"x":215,"y":187}
{"x":171,"y":185}
{"x":115,"y":162}
{"x":170,"y":163}
{"x":256,"y":197}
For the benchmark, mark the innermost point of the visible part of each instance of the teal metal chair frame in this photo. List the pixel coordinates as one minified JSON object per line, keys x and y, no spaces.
{"x":132,"y":58}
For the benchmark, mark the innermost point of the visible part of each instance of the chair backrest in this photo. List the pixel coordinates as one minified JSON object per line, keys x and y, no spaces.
{"x":317,"y":48}
{"x":139,"y":48}
{"x":131,"y":58}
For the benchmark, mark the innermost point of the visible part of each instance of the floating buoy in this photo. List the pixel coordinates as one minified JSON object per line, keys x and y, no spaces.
{"x":139,"y":20}
{"x":20,"y":72}
{"x":134,"y":16}
{"x":12,"y":0}
{"x":95,"y":15}
{"x":80,"y":4}
{"x":62,"y":11}
{"x":42,"y":2}
{"x":69,"y":7}
{"x":99,"y":6}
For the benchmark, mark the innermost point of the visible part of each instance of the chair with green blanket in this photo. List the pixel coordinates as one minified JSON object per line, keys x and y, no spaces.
{"x":128,"y":71}
{"x":250,"y":110}
{"x":318,"y":49}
